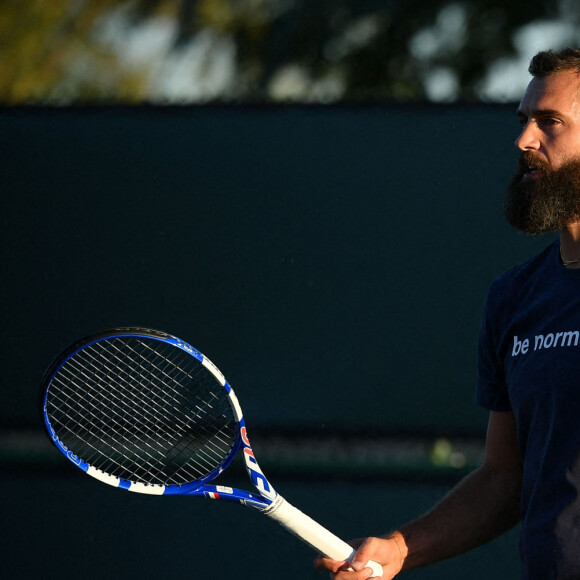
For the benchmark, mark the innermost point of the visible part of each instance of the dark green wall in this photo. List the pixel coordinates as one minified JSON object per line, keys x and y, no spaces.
{"x":77,"y":528}
{"x":332,"y":261}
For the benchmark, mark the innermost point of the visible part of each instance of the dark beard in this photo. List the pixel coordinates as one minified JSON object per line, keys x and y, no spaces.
{"x":546,"y":204}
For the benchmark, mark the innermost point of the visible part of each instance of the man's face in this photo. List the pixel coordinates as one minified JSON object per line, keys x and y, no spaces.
{"x":544,"y":194}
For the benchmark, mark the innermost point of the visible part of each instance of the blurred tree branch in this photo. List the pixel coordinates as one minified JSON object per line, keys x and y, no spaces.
{"x":133,"y":51}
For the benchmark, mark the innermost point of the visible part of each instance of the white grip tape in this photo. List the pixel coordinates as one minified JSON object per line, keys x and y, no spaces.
{"x":314,"y":534}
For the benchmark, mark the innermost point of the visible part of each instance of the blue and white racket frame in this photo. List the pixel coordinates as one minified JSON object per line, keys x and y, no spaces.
{"x":267,"y":500}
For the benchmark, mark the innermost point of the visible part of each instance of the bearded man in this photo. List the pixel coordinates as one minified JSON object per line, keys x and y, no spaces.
{"x":528,"y":367}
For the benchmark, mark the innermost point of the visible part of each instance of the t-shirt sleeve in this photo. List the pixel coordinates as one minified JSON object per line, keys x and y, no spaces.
{"x":491,"y":389}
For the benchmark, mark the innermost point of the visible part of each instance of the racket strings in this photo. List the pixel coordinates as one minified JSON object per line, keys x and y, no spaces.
{"x":137,"y":428}
{"x":142,"y":410}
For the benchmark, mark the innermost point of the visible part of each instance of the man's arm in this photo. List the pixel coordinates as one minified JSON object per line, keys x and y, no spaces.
{"x":482,"y":506}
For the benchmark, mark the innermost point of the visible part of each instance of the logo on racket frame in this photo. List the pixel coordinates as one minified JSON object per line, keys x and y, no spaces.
{"x":67,"y":452}
{"x":253,"y":468}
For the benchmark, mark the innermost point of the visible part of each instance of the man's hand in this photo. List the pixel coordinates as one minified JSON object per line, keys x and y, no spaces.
{"x":389,"y":552}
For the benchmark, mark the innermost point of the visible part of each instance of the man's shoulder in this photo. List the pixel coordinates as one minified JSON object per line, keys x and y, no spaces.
{"x":524,"y":280}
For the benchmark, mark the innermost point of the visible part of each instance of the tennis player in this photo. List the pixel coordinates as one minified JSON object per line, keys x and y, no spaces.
{"x":528,"y":367}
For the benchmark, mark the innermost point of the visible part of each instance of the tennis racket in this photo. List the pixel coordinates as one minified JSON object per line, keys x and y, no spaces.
{"x":144,"y":411}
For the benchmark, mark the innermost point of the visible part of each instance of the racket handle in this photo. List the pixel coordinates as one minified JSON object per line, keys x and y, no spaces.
{"x":314,"y":534}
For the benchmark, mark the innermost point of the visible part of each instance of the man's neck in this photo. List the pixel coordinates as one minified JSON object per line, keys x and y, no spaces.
{"x":570,"y":244}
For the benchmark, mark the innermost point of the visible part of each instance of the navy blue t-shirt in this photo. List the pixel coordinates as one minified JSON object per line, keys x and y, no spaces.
{"x":529,"y":363}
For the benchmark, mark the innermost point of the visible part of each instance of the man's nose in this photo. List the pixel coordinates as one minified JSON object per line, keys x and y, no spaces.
{"x":528,"y":139}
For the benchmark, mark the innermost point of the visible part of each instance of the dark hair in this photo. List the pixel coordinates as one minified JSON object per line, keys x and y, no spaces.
{"x":548,"y":62}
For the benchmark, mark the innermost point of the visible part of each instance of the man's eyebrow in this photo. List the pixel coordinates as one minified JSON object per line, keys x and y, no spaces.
{"x":538,"y":113}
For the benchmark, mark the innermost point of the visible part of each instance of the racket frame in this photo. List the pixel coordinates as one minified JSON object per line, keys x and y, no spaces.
{"x":197,"y":488}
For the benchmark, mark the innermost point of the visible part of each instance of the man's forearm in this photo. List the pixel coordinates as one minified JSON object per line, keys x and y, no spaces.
{"x":480,"y":508}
